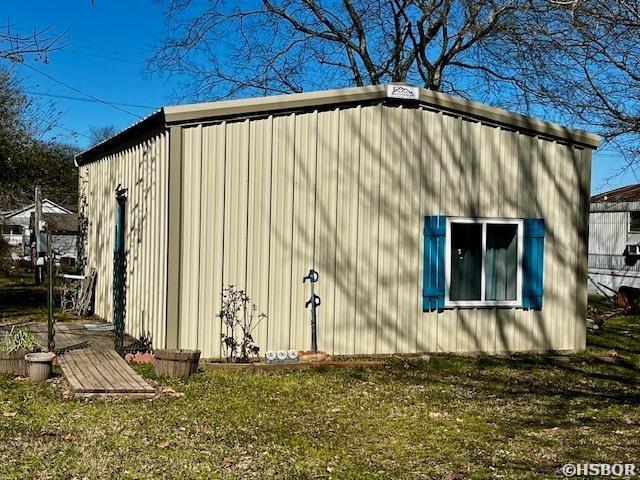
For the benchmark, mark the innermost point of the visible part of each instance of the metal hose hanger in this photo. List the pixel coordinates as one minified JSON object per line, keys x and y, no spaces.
{"x":314,"y":301}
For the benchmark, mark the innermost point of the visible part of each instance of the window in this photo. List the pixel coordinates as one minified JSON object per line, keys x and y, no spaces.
{"x":11,"y":229}
{"x":632,"y":249}
{"x":634,"y":222}
{"x":483,"y":262}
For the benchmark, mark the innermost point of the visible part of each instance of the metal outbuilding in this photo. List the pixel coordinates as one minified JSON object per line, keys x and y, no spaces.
{"x":435,"y":223}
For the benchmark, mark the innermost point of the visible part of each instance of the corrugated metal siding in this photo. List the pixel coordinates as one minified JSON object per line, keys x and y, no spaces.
{"x":613,"y":262}
{"x":347,"y":190}
{"x":142,"y":169}
{"x":608,"y":232}
{"x":613,"y":279}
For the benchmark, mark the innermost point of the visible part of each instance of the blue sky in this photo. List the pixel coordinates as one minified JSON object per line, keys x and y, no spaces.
{"x":107,"y":45}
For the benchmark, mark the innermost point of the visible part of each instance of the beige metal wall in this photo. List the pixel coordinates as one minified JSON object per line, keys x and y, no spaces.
{"x":142,"y":169}
{"x":347,"y":190}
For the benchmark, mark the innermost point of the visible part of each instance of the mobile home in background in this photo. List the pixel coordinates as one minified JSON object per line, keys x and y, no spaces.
{"x":614,"y":239}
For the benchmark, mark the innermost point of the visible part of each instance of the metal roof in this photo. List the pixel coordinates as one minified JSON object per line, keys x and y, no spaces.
{"x":59,"y":223}
{"x":629,"y":193}
{"x":250,"y":107}
{"x":17,"y":211}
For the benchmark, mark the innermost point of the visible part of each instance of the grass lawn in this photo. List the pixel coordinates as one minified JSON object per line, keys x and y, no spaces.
{"x":450,"y":418}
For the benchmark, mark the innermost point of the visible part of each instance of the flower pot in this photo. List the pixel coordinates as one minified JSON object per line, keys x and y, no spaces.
{"x":176,"y":363}
{"x":14,"y":363}
{"x":39,"y":365}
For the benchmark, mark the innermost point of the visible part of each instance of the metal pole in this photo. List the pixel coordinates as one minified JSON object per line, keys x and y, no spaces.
{"x":50,"y":331}
{"x":314,"y":301}
{"x":314,"y":335}
{"x":37,"y":218}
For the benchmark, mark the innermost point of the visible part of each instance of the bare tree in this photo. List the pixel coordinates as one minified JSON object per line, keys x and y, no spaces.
{"x":15,"y":46}
{"x":572,"y":61}
{"x":283,"y":46}
{"x":100,"y":134}
{"x":29,"y":156}
{"x":579,"y":60}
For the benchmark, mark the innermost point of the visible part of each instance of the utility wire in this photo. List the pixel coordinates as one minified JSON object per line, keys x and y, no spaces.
{"x":139,"y":57}
{"x":99,"y":100}
{"x":92,"y":44}
{"x":75,"y":132}
{"x":81,"y":99}
{"x":105,"y":57}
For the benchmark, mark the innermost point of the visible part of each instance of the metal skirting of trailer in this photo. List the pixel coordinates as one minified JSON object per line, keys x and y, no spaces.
{"x":613,"y":279}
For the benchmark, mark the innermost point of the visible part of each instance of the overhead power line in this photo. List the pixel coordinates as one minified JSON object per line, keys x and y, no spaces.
{"x":90,"y":42}
{"x":90,"y":100}
{"x":99,"y":100}
{"x":104,"y":57}
{"x":75,"y":132}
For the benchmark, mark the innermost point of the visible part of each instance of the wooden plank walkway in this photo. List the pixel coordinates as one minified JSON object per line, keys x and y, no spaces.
{"x":101,"y":371}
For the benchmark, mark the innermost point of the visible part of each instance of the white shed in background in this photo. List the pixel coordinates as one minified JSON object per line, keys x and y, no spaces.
{"x":15,"y":224}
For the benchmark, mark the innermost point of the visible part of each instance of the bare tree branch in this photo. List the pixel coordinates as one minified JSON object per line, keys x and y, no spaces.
{"x":15,"y":46}
{"x":221,"y":50}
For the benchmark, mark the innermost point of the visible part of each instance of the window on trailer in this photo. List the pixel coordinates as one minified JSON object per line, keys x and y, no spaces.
{"x":634,"y":222}
{"x":12,"y":229}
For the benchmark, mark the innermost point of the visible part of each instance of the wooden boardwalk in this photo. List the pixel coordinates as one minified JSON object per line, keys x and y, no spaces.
{"x":101,"y":371}
{"x":88,"y":359}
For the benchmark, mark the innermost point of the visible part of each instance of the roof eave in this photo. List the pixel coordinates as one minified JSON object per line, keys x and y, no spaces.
{"x":153,"y":120}
{"x":254,"y":106}
{"x":274,"y":103}
{"x":212,"y":111}
{"x":515,"y":121}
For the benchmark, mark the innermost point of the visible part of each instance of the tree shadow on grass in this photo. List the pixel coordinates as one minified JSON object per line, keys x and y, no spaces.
{"x":607,"y":374}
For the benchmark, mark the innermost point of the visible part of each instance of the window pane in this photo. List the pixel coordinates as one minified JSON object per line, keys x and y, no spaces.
{"x":634,"y":224}
{"x":501,"y":262}
{"x":466,"y":261}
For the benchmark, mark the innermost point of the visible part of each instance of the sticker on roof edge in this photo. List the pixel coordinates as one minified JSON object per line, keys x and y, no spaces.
{"x":403,"y":91}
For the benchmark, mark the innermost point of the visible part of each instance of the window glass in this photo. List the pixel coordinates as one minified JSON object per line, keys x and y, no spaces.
{"x":466,"y":262}
{"x":12,"y":229}
{"x":501,"y":262}
{"x":634,"y":224}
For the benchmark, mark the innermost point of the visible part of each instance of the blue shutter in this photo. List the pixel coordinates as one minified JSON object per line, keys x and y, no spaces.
{"x":435,"y":229}
{"x":533,"y":264}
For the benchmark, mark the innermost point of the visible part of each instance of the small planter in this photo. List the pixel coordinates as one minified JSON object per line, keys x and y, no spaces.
{"x":39,"y":365}
{"x":14,"y":363}
{"x":176,"y":363}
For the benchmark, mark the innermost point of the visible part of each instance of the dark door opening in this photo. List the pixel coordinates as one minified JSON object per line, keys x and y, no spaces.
{"x":120,"y":270}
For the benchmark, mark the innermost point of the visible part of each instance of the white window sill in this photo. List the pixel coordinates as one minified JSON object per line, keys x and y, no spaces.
{"x":485,"y":304}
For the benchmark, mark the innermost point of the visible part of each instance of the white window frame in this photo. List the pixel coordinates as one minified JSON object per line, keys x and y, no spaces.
{"x":448,"y":303}
{"x":631,"y":232}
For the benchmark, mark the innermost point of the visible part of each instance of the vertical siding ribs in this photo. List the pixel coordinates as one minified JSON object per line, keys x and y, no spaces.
{"x":344,"y":191}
